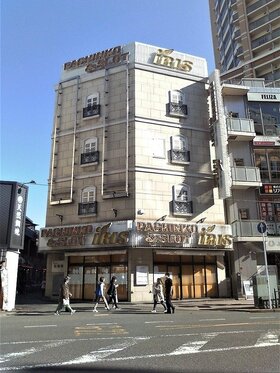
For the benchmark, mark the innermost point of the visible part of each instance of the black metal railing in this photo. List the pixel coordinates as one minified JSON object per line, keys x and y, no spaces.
{"x":91,"y":157}
{"x":179,"y":156}
{"x":177,"y":109}
{"x":182,"y":208}
{"x":87,"y":208}
{"x":91,"y":111}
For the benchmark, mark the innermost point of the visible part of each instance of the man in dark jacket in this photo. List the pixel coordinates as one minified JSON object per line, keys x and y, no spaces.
{"x":64,"y":297}
{"x":168,"y":293}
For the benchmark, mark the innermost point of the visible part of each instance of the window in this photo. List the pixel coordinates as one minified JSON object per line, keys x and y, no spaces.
{"x":88,"y":203}
{"x":244,"y":214}
{"x":90,"y":153}
{"x":179,"y":150}
{"x":268,"y":161}
{"x":92,"y":107}
{"x":266,"y":116}
{"x":238,"y":162}
{"x":177,"y":106}
{"x":182,"y":204}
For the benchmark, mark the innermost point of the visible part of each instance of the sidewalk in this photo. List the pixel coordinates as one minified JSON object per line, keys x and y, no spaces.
{"x":35,"y":303}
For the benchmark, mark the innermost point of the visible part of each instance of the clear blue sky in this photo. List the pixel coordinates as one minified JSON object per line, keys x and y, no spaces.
{"x":38,"y":36}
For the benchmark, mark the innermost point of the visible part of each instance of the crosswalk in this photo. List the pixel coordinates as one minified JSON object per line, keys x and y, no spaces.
{"x":109,"y":342}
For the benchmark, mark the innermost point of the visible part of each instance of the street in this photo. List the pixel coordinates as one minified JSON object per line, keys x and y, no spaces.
{"x":135,"y":340}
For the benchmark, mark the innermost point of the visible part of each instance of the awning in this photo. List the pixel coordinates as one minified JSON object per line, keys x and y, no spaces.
{"x":95,"y":252}
{"x":190,"y":252}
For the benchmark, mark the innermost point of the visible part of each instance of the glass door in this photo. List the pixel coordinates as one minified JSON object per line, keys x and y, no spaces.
{"x":199,"y":281}
{"x":175,"y":275}
{"x":89,"y":283}
{"x":211,"y":280}
{"x":187,"y":281}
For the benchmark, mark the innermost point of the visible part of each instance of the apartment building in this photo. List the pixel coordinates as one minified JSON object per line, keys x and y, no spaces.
{"x":246,"y":129}
{"x":246,"y":38}
{"x":131,"y":185}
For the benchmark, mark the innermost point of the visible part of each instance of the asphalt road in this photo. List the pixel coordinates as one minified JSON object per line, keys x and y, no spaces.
{"x":136,"y":340}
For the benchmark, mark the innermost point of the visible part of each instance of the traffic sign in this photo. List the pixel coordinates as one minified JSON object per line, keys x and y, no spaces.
{"x":261,"y":227}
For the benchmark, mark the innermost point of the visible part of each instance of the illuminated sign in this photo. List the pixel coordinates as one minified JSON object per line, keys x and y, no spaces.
{"x":99,"y":60}
{"x":254,"y":96}
{"x":182,"y":235}
{"x":163,"y":58}
{"x":270,"y":189}
{"x":84,"y":235}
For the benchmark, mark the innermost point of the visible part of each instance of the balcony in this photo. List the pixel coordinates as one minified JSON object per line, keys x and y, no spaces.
{"x":182,"y":208}
{"x":178,"y":156}
{"x":257,"y":6}
{"x":91,"y":111}
{"x":240,"y":129}
{"x":90,"y":158}
{"x":245,"y":177}
{"x":87,"y":208}
{"x":246,"y":231}
{"x":177,"y":109}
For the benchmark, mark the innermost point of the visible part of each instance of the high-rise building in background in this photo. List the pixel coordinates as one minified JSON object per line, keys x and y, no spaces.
{"x":246,"y":38}
{"x":245,"y":124}
{"x":131,"y":186}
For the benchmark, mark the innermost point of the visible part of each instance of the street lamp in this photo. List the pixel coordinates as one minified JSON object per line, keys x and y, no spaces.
{"x":28,"y":182}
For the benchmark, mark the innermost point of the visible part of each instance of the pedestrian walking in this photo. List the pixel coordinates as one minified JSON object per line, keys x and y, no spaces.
{"x":158,"y":295}
{"x":99,"y":294}
{"x":112,"y":292}
{"x":43,"y":287}
{"x":64,"y":298}
{"x":168,"y":293}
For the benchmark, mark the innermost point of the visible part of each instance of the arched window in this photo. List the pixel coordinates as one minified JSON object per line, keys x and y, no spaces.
{"x":179,"y":149}
{"x":90,"y":152}
{"x":88,"y":204}
{"x":182,"y":201}
{"x":92,"y":107}
{"x":177,"y":105}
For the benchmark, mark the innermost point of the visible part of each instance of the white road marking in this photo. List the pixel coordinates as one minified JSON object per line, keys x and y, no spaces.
{"x":39,"y":326}
{"x":269,"y":338}
{"x":262,"y":317}
{"x":193,"y":346}
{"x":156,"y":322}
{"x":102,"y":353}
{"x":103,"y":323}
{"x":212,"y":320}
{"x":32,"y":350}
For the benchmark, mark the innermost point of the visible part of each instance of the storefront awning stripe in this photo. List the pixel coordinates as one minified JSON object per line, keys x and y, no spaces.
{"x":95,"y":252}
{"x":190,"y":252}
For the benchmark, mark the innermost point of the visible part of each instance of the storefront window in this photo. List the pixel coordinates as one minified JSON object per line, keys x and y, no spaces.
{"x":76,"y":283}
{"x":195,"y":277}
{"x":268,"y":161}
{"x":266,"y":116}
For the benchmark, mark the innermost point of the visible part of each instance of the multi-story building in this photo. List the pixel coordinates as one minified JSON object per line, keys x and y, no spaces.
{"x":131,"y":185}
{"x":246,"y":129}
{"x":246,"y":38}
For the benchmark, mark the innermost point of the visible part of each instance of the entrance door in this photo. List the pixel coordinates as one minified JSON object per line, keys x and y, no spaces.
{"x":89,"y":283}
{"x":187,"y":281}
{"x":174,"y":273}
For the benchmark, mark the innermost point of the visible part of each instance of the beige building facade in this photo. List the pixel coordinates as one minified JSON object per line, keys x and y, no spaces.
{"x":131,"y":189}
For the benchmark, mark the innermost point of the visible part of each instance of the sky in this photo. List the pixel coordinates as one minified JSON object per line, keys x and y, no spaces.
{"x":39,"y":36}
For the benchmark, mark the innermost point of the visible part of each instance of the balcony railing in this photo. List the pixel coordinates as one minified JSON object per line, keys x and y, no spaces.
{"x":177,"y":109}
{"x":182,"y":208}
{"x":245,"y":177}
{"x":267,"y":18}
{"x":87,"y":208}
{"x":265,"y":38}
{"x":257,"y":5}
{"x":178,"y":156}
{"x":91,"y":157}
{"x":241,"y":126}
{"x":246,"y":230}
{"x":90,"y":111}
